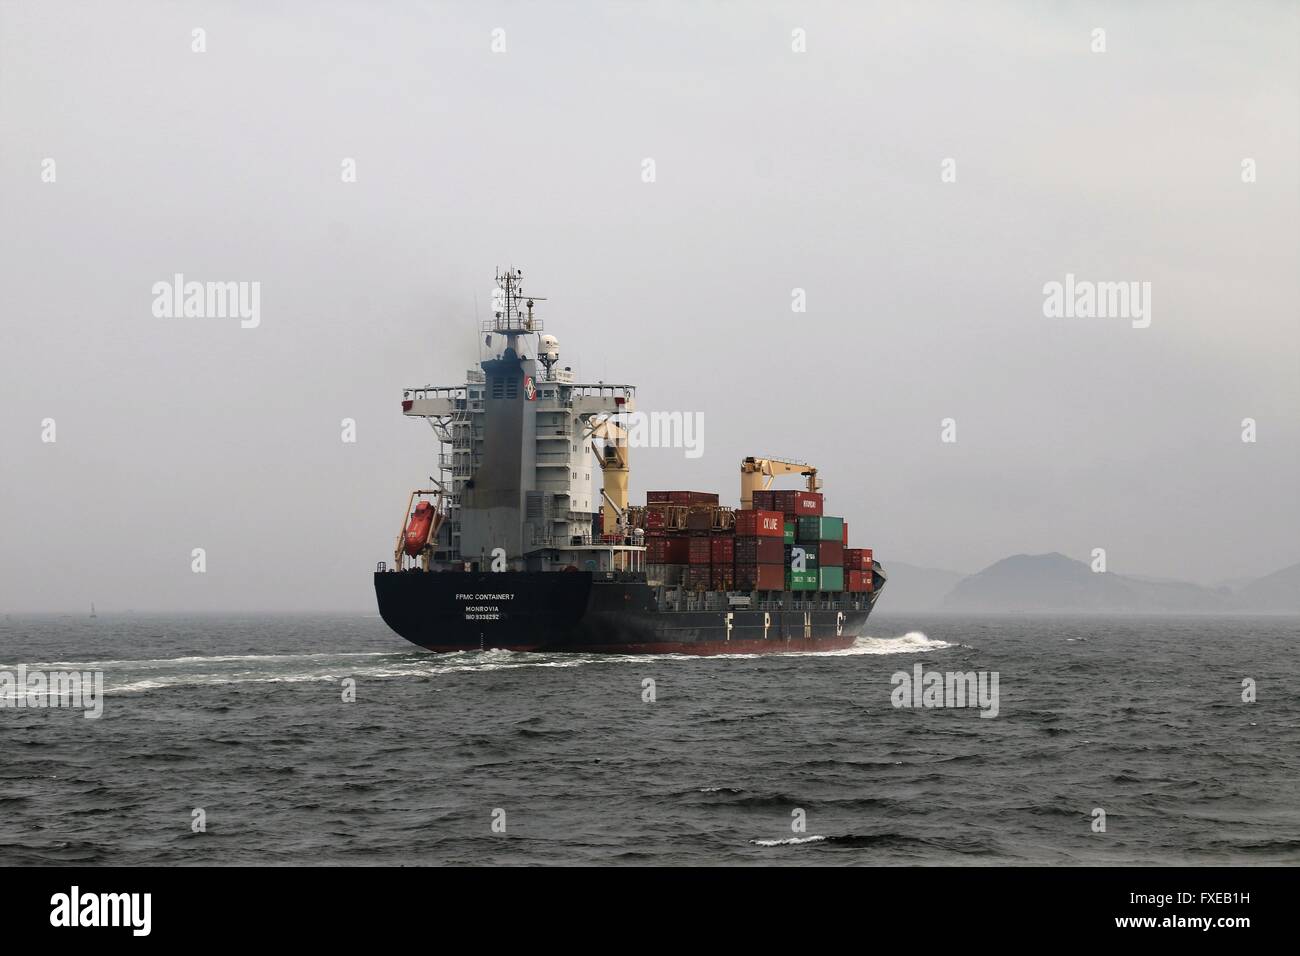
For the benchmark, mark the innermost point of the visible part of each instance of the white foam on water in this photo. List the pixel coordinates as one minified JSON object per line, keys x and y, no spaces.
{"x":792,"y":841}
{"x":165,"y":661}
{"x":910,"y":643}
{"x":913,"y":642}
{"x":137,"y":676}
{"x":134,"y":676}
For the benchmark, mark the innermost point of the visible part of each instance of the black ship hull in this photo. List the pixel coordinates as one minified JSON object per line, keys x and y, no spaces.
{"x":596,"y":613}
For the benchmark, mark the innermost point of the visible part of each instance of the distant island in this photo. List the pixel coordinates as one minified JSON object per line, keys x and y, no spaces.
{"x":1055,"y":582}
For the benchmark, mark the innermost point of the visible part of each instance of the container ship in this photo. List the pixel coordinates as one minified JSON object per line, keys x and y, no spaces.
{"x":526,"y":540}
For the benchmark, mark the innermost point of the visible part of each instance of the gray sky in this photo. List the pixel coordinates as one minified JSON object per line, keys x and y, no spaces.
{"x":774,"y":170}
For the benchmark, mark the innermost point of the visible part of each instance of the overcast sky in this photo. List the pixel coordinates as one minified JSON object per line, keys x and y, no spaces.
{"x":774,"y":170}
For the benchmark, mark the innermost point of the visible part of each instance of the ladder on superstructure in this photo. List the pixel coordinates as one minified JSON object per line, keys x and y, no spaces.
{"x":450,"y":432}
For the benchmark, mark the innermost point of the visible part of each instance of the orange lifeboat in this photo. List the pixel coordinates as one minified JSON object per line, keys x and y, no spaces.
{"x":417,"y":531}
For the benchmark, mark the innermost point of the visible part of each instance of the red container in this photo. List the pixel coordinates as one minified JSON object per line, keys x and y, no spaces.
{"x":845,"y":542}
{"x":722,"y":579}
{"x":657,"y":497}
{"x":722,"y":550}
{"x":760,"y":551}
{"x":699,"y":551}
{"x":666,"y":550}
{"x":808,"y":503}
{"x":655,"y":520}
{"x":703,"y":498}
{"x":830,"y":554}
{"x":762,"y":524}
{"x":852,"y":559}
{"x":798,"y":503}
{"x":697,"y":577}
{"x":763,"y":501}
{"x":855,"y":580}
{"x":760,"y":577}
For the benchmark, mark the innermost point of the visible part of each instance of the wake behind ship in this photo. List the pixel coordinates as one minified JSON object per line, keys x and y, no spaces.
{"x":517,"y":547}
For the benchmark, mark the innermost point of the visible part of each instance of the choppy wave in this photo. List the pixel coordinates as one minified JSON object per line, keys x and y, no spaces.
{"x":708,"y":773}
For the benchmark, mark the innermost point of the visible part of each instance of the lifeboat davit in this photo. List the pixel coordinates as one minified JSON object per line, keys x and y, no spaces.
{"x":417,"y":531}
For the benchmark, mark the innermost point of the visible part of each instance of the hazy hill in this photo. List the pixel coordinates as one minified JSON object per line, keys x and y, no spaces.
{"x":1042,"y":582}
{"x":1053,"y":582}
{"x":1279,"y":591}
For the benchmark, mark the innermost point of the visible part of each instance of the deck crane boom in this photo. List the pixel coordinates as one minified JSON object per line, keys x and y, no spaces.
{"x":757,"y":473}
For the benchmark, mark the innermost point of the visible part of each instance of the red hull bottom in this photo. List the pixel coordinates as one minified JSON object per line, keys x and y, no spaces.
{"x":697,"y":648}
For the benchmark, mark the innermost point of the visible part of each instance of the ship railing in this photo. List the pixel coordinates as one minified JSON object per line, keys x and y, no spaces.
{"x":588,"y":541}
{"x":512,"y":322}
{"x":603,"y":390}
{"x":436,"y":391}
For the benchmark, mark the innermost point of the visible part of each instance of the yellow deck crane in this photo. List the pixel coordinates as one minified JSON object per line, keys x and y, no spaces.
{"x":756,"y":474}
{"x":611,"y":453}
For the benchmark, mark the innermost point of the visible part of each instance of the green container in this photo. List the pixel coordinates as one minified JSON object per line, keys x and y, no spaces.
{"x":820,"y":529}
{"x":800,"y":580}
{"x":789,"y":532}
{"x":831,"y":579}
{"x":809,"y":556}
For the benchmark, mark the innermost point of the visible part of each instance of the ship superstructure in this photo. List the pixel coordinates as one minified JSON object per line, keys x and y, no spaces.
{"x":520,"y":481}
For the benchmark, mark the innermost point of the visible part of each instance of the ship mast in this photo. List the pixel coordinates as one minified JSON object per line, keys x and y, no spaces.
{"x":512,"y":311}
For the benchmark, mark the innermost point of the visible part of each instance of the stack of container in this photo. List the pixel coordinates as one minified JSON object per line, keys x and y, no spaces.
{"x":819,"y":548}
{"x":722,"y":550}
{"x":679,"y":538}
{"x":784,"y":542}
{"x":857,"y":569}
{"x":758,"y":550}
